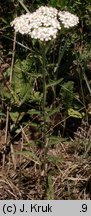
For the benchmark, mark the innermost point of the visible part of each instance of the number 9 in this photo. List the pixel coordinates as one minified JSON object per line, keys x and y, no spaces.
{"x":84,"y":207}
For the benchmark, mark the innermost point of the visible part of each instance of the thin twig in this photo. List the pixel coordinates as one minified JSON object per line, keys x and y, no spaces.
{"x":8,"y":107}
{"x":21,"y":148}
{"x":6,"y":136}
{"x":13,"y":57}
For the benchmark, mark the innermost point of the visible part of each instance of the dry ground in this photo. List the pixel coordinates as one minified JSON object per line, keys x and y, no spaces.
{"x":68,"y":174}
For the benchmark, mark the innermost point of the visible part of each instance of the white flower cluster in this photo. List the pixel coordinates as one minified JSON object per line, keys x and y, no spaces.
{"x":48,"y":11}
{"x":68,"y":19}
{"x":43,"y":24}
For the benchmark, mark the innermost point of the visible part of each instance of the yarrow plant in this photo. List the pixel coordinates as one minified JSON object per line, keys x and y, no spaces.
{"x":43,"y":25}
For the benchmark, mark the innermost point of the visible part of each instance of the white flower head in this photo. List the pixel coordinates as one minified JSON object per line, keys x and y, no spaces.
{"x":48,"y":11}
{"x":68,"y":19}
{"x":43,"y":24}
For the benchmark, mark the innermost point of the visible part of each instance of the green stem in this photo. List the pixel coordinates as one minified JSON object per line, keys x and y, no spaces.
{"x":44,"y":92}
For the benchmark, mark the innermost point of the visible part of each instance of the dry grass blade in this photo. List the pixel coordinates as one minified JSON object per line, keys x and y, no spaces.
{"x":13,"y":156}
{"x":23,"y":5}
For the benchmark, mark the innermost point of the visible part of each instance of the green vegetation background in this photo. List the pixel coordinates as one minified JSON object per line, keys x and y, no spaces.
{"x":68,"y":97}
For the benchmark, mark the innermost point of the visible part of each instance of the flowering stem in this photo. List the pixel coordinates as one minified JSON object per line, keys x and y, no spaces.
{"x":44,"y":92}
